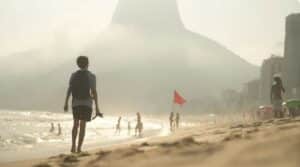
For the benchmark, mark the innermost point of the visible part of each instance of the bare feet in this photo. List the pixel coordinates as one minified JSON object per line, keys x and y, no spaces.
{"x":73,"y":149}
{"x":78,"y":150}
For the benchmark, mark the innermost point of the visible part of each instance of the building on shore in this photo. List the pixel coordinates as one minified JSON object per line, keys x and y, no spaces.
{"x":271,"y":67}
{"x":249,"y":96}
{"x":251,"y":91}
{"x":291,"y":73}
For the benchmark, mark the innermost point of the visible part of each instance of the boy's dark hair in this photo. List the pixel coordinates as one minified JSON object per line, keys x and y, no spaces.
{"x":82,"y":62}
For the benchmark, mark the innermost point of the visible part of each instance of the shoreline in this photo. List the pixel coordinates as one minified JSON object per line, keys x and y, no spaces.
{"x":260,"y":144}
{"x":27,"y":135}
{"x":40,"y":154}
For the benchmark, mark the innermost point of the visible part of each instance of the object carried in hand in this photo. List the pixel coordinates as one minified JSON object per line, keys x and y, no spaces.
{"x":98,"y":115}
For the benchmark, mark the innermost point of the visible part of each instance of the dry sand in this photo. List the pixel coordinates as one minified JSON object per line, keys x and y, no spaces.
{"x":273,"y":143}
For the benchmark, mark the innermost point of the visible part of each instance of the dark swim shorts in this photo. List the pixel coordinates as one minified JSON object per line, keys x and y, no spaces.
{"x":83,"y":113}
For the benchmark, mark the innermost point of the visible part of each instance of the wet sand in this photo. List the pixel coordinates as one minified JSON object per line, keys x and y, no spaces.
{"x":272,"y":143}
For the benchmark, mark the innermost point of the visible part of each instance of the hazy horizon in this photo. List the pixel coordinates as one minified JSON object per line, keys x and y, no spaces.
{"x":139,"y":59}
{"x":251,"y":29}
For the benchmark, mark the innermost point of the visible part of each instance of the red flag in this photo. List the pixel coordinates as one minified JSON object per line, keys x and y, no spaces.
{"x":178,"y":99}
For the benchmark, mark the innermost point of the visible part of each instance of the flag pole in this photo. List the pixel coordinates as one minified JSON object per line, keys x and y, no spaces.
{"x":172,"y":106}
{"x":181,"y":108}
{"x":173,"y":102}
{"x":172,"y":111}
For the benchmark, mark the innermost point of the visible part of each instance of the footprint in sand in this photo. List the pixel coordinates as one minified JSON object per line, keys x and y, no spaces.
{"x":70,"y":159}
{"x":145,"y":144}
{"x":283,"y":121}
{"x":257,"y":124}
{"x":269,"y":121}
{"x":219,"y":132}
{"x":287,"y":127}
{"x":83,"y":154}
{"x":252,"y":130}
{"x":181,"y":143}
{"x":237,"y":126}
{"x":102,"y":154}
{"x":42,"y":165}
{"x":233,"y":136}
{"x":132,"y":151}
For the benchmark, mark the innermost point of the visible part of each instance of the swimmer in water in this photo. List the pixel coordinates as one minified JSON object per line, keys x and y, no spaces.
{"x":59,"y":129}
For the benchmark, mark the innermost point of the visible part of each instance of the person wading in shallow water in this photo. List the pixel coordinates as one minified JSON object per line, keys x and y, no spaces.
{"x":59,"y":129}
{"x":171,"y":120}
{"x":177,"y":119}
{"x":118,"y":126}
{"x":82,"y":86}
{"x":52,"y":127}
{"x":129,"y":128}
{"x":277,"y":91}
{"x":139,"y":125}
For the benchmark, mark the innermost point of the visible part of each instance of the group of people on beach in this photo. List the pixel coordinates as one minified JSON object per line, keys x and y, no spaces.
{"x":82,"y":87}
{"x":138,"y":127}
{"x":174,"y":121}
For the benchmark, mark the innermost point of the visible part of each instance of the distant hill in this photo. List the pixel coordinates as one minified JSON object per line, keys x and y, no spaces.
{"x":139,"y":60}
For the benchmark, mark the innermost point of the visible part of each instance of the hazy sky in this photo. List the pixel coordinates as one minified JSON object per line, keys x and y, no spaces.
{"x":251,"y":28}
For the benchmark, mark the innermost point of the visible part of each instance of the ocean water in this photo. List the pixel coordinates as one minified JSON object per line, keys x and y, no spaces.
{"x":26,"y":134}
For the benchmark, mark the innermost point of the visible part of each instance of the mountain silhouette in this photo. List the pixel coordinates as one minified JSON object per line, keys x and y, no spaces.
{"x":143,"y":55}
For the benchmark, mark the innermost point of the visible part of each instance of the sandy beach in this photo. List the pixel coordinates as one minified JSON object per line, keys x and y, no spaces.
{"x":272,"y":143}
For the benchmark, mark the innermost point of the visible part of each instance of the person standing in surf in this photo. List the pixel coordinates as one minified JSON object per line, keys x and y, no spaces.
{"x":171,"y":120}
{"x":52,"y":127}
{"x":177,"y":119}
{"x":82,"y":87}
{"x":277,"y":91}
{"x":118,"y":126}
{"x":129,"y":128}
{"x":59,"y":129}
{"x":139,"y":125}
